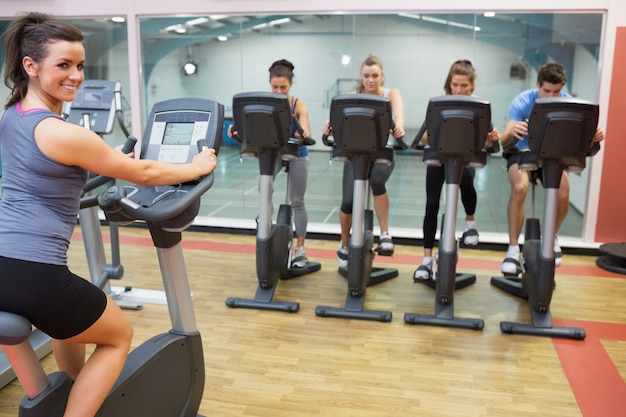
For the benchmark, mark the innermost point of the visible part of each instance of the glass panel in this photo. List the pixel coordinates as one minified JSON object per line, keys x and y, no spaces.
{"x":327,"y":50}
{"x":232,"y":54}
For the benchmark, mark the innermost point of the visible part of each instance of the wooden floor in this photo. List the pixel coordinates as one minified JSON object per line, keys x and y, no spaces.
{"x":264,"y":363}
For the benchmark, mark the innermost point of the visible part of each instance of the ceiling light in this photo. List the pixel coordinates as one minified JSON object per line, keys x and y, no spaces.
{"x":198,"y":21}
{"x":190,"y":68}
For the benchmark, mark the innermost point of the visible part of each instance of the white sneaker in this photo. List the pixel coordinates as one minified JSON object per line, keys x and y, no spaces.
{"x":423,"y":273}
{"x":385,"y":243}
{"x":558,"y":253}
{"x":511,"y":266}
{"x":299,"y":257}
{"x":470,"y":237}
{"x":342,"y":257}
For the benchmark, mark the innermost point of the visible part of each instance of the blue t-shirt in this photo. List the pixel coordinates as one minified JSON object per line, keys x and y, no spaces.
{"x":40,"y":197}
{"x":522,"y":106}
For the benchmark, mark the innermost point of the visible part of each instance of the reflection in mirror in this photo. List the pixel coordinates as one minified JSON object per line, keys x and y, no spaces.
{"x":234,"y":52}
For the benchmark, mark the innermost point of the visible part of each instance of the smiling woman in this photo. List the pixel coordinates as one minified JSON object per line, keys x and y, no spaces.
{"x":506,"y":50}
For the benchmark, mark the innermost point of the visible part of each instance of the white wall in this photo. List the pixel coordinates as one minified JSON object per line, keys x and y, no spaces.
{"x":416,"y":62}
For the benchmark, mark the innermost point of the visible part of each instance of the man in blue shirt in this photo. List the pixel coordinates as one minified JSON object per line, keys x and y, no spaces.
{"x":551,"y":79}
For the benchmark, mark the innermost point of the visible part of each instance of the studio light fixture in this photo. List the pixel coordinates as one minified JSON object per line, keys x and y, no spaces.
{"x":190,"y":68}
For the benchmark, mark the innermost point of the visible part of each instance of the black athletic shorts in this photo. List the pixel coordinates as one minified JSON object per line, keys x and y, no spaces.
{"x":56,"y":301}
{"x":513,"y":158}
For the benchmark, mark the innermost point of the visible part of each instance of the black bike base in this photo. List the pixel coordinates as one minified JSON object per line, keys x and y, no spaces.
{"x":613,"y":258}
{"x":444,"y":317}
{"x":263,"y":300}
{"x":461,"y":281}
{"x":287,"y":306}
{"x":296,"y":272}
{"x":377,"y":275}
{"x":575,"y":333}
{"x":354,"y":310}
{"x":457,"y":322}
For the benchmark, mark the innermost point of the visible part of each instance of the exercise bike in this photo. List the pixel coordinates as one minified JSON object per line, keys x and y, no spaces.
{"x":262,"y":122}
{"x":97,"y":106}
{"x":164,"y":376}
{"x":360,"y":124}
{"x":457,"y":128}
{"x":560,"y":135}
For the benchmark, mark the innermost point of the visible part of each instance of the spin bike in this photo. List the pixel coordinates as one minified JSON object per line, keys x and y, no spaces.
{"x":262,"y":122}
{"x":164,"y":376}
{"x":360,"y":124}
{"x":457,"y":128}
{"x":560,"y":135}
{"x":97,"y":106}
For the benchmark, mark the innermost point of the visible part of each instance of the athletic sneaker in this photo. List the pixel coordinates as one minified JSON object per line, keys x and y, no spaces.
{"x":385,"y":243}
{"x":299,"y":257}
{"x":511,"y":265}
{"x":342,"y":257}
{"x":470,"y":237}
{"x":423,"y":273}
{"x":558,"y":253}
{"x":470,"y":234}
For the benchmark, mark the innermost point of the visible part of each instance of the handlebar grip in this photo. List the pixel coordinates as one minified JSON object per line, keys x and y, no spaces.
{"x":327,"y":142}
{"x":202,"y":144}
{"x":129,"y":145}
{"x":308,"y":141}
{"x":234,"y":135}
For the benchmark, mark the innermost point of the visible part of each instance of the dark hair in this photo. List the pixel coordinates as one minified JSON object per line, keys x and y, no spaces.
{"x":282,"y":68}
{"x":368,"y":62}
{"x":29,"y":35}
{"x":460,"y":67}
{"x":552,"y":73}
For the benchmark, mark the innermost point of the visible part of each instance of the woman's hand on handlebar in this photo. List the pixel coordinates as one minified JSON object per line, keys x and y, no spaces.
{"x":230,"y":132}
{"x":326,"y":130}
{"x":205,"y":161}
{"x":119,"y":148}
{"x":397,"y":132}
{"x":492,"y":136}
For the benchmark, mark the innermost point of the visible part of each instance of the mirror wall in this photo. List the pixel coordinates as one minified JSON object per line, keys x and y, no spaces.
{"x":233,"y":54}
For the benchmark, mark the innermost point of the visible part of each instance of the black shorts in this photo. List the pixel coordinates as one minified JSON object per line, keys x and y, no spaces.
{"x":56,"y":301}
{"x":513,"y":158}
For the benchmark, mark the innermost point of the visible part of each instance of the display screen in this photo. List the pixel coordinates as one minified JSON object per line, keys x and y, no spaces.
{"x":177,"y":133}
{"x":93,"y":97}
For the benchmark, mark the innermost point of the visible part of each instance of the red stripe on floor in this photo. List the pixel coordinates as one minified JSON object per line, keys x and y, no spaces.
{"x":399,"y":259}
{"x":596,"y":383}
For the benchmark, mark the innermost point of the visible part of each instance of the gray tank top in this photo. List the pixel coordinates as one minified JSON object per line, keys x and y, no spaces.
{"x":40,"y":197}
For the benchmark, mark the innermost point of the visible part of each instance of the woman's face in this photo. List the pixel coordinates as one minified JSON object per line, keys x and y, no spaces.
{"x":61,"y":72}
{"x":461,"y":85}
{"x":280,"y":85}
{"x":371,"y":78}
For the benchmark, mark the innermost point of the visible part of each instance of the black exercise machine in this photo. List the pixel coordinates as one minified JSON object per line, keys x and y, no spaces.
{"x":360,"y":124}
{"x":613,"y":257}
{"x":457,"y":127}
{"x":164,"y":376}
{"x":560,"y":135}
{"x":262,"y":122}
{"x":97,"y":106}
